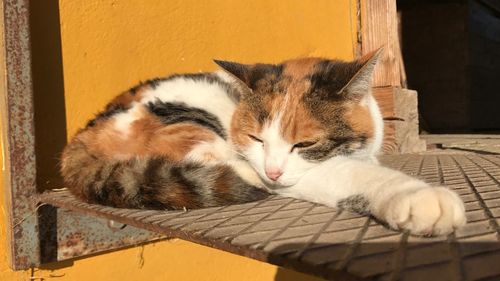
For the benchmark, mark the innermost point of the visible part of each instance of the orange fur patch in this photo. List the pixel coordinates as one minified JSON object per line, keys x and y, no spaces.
{"x":242,"y":124}
{"x":147,"y":136}
{"x":179,"y":198}
{"x":300,"y":68}
{"x":223,"y":180}
{"x":297,"y":123}
{"x":360,"y":120}
{"x":126,"y":99}
{"x":286,"y":99}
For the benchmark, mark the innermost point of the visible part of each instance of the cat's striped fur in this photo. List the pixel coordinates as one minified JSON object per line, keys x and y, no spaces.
{"x":146,"y":162}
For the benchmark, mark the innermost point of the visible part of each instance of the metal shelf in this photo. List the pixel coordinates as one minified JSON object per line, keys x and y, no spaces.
{"x":332,"y":243}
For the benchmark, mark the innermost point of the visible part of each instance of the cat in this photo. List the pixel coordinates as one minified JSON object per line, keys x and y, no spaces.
{"x":306,"y":128}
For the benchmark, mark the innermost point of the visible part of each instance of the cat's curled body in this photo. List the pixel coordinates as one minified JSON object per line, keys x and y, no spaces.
{"x":307,"y":128}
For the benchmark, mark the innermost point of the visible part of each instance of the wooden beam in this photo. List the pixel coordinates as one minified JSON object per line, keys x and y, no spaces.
{"x":401,"y":132}
{"x":379,"y":28}
{"x":385,"y":100}
{"x":407,"y":132}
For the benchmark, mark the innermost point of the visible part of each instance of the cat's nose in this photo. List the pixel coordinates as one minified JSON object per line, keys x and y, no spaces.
{"x":274,"y":174}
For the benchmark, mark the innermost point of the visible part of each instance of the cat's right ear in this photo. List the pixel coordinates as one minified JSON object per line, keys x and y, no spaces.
{"x":238,"y":70}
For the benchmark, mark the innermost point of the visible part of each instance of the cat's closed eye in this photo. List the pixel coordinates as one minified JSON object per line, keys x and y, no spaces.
{"x":255,"y":138}
{"x":303,"y":144}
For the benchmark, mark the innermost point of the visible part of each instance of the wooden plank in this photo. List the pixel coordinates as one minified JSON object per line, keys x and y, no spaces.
{"x":385,"y":100}
{"x":407,"y":132}
{"x":379,"y":29}
{"x":401,"y":131}
{"x":402,"y":71}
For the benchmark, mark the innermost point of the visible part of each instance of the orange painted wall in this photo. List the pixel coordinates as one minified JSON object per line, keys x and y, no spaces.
{"x":107,"y":46}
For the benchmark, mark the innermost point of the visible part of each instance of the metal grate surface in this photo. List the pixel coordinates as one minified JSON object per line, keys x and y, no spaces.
{"x":335,"y":244}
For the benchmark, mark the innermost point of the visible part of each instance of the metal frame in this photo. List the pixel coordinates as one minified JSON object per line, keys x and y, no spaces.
{"x":18,"y":136}
{"x":38,"y":234}
{"x":334,"y":243}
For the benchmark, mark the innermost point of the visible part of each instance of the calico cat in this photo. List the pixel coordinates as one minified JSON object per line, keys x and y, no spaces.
{"x":306,"y":128}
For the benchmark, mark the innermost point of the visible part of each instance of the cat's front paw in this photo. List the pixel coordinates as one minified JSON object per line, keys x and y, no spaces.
{"x":427,"y":211}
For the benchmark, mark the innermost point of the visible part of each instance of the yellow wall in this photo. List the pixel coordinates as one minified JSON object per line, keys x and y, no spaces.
{"x":110,"y":45}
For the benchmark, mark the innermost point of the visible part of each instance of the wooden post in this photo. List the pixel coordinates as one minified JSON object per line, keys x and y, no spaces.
{"x":379,"y":28}
{"x":400,"y":133}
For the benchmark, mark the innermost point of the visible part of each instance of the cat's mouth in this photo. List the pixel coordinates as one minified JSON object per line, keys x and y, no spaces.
{"x":276,"y":184}
{"x":285,"y":181}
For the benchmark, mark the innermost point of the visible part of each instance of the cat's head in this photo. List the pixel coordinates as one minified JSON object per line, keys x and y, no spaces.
{"x":295,"y":115}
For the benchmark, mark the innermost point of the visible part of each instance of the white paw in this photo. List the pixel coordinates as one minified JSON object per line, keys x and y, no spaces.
{"x":426,"y":211}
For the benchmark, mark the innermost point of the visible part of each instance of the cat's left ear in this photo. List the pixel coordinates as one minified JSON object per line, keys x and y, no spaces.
{"x":238,"y":70}
{"x":251,"y":74}
{"x":360,"y":83}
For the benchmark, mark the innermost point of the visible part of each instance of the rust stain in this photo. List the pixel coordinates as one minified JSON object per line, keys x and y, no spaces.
{"x":20,"y":149}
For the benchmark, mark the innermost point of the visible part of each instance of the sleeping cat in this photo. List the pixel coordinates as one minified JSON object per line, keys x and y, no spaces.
{"x":306,"y":128}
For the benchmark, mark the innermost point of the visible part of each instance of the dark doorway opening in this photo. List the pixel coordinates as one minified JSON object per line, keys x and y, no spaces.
{"x":451,"y":51}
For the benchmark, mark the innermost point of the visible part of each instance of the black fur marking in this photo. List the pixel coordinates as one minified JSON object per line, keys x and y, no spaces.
{"x":109,"y":176}
{"x":179,"y":174}
{"x":251,"y":75}
{"x":237,"y":69}
{"x":330,"y":110}
{"x":240,"y":191}
{"x":330,"y":77}
{"x":264,"y":71}
{"x":104,"y":115}
{"x":355,"y":203}
{"x":333,"y":147}
{"x":133,"y":91}
{"x":149,"y":188}
{"x":157,"y":173}
{"x":109,"y":190}
{"x":171,"y":113}
{"x":154,"y":82}
{"x":113,"y":109}
{"x":255,"y":104}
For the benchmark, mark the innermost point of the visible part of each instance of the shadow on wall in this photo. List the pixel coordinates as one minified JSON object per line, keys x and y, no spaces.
{"x":283,"y":274}
{"x":48,"y":88}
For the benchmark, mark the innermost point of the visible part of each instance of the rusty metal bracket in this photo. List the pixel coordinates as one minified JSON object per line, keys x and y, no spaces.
{"x":36,"y":233}
{"x":18,"y":135}
{"x":66,"y":234}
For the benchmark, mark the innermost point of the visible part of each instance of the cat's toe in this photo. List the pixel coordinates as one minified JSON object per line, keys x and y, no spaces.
{"x":427,"y":212}
{"x":452,"y":212}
